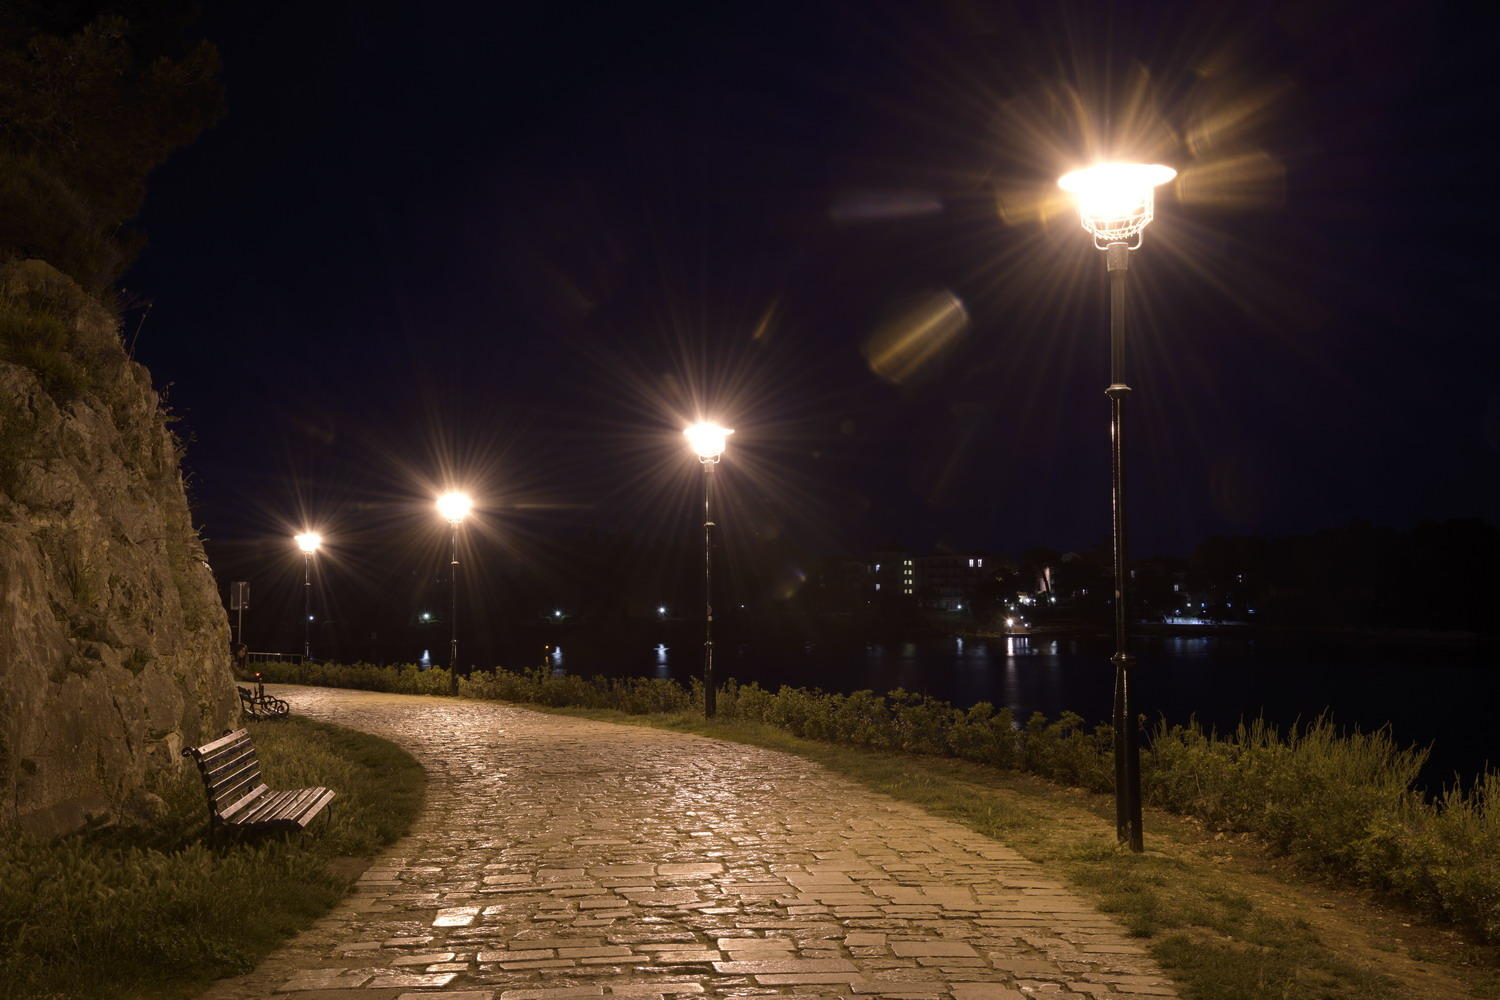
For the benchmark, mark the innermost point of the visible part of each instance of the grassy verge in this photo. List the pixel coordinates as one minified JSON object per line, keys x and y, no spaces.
{"x":160,"y":911}
{"x":1227,"y":919}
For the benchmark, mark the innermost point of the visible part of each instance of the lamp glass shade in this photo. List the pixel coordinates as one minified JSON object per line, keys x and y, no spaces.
{"x":455,"y":506}
{"x":1116,"y":201}
{"x":707,"y":440}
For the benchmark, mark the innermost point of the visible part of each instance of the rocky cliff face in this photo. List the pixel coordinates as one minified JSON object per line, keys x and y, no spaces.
{"x":113,"y":642}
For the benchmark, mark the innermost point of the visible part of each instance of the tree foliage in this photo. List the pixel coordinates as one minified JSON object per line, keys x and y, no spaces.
{"x":92,"y":99}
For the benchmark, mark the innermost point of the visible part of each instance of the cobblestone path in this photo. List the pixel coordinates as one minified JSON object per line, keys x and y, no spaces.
{"x":562,"y":858}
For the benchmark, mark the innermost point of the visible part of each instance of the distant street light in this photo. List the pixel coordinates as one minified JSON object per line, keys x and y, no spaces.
{"x":1116,"y":201}
{"x":308,"y":542}
{"x":707,"y":441}
{"x":454,"y":506}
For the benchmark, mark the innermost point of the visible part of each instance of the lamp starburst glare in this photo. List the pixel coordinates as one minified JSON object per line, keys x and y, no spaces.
{"x":309,"y":541}
{"x":455,"y":506}
{"x":1116,"y":201}
{"x":707,"y":440}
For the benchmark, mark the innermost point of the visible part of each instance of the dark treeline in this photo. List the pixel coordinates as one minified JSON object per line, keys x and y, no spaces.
{"x":1437,"y":575}
{"x":617,"y":588}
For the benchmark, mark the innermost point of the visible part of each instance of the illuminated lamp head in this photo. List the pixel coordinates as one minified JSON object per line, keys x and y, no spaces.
{"x":707,"y":440}
{"x":454,"y":506}
{"x":1116,"y":201}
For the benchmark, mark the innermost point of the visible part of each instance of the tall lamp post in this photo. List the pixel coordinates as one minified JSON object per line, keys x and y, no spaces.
{"x":1116,"y":202}
{"x":454,"y":507}
{"x":308,"y":542}
{"x":707,"y":441}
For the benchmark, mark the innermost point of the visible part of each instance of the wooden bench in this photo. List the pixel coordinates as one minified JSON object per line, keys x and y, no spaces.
{"x":239,"y":800}
{"x":259,"y":705}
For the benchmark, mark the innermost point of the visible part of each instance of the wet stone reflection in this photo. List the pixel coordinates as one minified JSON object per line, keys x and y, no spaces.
{"x":561,"y":857}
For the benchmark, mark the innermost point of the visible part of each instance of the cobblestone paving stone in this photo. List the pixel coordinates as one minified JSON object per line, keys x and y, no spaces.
{"x":561,"y":858}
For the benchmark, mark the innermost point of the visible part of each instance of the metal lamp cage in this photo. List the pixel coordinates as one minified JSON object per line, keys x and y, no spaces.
{"x":1120,"y":227}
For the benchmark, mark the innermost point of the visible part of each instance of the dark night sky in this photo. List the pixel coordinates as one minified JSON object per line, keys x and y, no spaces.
{"x":518,"y":241}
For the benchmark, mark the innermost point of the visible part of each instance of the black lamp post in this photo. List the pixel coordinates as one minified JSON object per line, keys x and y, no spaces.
{"x":454,"y":507}
{"x":308,"y":542}
{"x":1116,"y":202}
{"x":707,"y":441}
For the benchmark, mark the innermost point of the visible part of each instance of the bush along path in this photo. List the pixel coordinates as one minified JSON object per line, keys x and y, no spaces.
{"x":1340,"y":804}
{"x":564,"y":857}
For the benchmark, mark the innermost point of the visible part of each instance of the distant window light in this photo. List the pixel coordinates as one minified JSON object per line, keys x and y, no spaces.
{"x":1176,"y":587}
{"x":980,"y":563}
{"x":877,"y":586}
{"x":971,"y":564}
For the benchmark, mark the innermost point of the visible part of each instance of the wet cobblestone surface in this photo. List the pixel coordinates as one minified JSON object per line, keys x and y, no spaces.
{"x":560,"y":858}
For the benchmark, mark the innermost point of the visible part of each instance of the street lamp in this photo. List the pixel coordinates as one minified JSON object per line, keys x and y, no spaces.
{"x":1116,"y":201}
{"x":707,"y":441}
{"x":454,"y":506}
{"x":308,"y":542}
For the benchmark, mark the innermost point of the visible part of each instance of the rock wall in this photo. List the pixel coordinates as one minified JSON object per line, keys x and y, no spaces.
{"x":113,"y":641}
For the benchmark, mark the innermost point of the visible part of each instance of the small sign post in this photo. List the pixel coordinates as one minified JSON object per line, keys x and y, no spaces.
{"x":239,"y":600}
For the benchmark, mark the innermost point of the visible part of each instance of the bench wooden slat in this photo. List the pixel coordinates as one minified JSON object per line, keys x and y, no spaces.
{"x":227,"y":756}
{"x":230,"y":813}
{"x":241,"y":771}
{"x":315,"y":806}
{"x":209,"y":748}
{"x":269,"y":806}
{"x":293,"y":807}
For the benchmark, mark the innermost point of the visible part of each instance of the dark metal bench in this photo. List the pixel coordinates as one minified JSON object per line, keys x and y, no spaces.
{"x":238,"y":799}
{"x":259,"y":705}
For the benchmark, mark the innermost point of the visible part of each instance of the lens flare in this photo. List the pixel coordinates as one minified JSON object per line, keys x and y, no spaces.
{"x":910,"y":343}
{"x":309,"y":541}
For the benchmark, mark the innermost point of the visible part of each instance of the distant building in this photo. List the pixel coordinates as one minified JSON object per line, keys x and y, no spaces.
{"x":893,"y":570}
{"x":947,"y":581}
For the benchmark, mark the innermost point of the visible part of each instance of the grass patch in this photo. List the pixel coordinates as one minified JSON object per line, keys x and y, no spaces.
{"x":161,"y":911}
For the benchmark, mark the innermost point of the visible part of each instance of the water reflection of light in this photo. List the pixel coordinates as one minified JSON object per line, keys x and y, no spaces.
{"x":960,"y":641}
{"x":661,"y":653}
{"x":556,"y":658}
